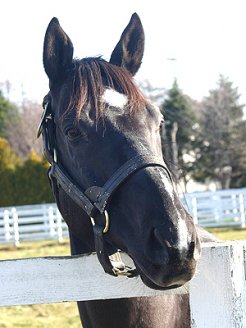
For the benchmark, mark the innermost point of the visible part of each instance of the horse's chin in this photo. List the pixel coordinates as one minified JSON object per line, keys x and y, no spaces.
{"x":149,"y":283}
{"x":151,"y":280}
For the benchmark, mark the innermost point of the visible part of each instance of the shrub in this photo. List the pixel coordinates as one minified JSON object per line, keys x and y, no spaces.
{"x":8,"y":158}
{"x":23,"y":182}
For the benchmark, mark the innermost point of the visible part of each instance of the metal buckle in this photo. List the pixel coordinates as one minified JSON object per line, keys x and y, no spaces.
{"x":119,"y":268}
{"x":123,"y":273}
{"x":106,"y":227}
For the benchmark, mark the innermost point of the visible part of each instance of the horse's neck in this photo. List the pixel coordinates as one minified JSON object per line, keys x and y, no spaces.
{"x":169,"y":311}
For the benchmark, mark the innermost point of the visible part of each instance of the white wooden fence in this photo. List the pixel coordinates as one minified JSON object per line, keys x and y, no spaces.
{"x":31,"y":222}
{"x":217,"y":292}
{"x":209,"y":209}
{"x":218,"y":208}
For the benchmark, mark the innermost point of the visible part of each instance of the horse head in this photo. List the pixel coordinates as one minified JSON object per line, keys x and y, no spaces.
{"x":103,"y":141}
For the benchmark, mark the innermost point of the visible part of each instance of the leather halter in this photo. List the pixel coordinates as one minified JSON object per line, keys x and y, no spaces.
{"x":95,"y":200}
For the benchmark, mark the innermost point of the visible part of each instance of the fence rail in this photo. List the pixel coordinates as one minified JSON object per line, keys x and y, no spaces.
{"x":217,"y":293}
{"x":44,"y":221}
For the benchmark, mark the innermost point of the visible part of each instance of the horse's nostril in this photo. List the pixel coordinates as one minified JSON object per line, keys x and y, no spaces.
{"x":161,"y":237}
{"x":160,"y":248}
{"x":191,"y":249}
{"x":167,"y":243}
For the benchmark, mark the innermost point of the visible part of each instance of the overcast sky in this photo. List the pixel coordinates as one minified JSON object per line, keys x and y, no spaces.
{"x":206,"y":37}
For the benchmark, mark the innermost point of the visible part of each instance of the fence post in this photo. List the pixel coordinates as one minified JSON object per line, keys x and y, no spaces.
{"x":46,"y":218}
{"x":194,"y":209}
{"x":218,"y":290}
{"x":6,"y":225}
{"x":16,"y":226}
{"x":242,"y":210}
{"x":51,"y":222}
{"x":59,"y":226}
{"x":216,"y":198}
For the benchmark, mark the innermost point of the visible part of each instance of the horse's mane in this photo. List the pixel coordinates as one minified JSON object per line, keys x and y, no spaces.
{"x":92,"y":75}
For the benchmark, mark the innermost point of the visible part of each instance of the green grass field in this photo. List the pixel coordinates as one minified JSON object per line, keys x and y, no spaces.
{"x":227,"y":233}
{"x":60,"y":315}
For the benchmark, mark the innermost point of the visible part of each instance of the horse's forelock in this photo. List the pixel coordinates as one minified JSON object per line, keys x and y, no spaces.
{"x":92,"y":76}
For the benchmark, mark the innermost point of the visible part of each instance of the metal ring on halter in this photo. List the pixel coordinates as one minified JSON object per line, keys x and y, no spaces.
{"x":106,"y":228}
{"x":55,"y":155}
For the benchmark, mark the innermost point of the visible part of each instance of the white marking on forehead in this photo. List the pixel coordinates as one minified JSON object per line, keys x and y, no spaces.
{"x":114,"y":98}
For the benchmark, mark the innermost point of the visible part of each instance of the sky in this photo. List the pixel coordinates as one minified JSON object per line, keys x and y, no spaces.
{"x":205,"y":37}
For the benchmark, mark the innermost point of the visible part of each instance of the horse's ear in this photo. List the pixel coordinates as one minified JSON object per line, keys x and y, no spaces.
{"x":58,"y":50}
{"x":129,"y":51}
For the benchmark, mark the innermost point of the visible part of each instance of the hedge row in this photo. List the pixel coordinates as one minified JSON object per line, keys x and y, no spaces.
{"x":22,"y":182}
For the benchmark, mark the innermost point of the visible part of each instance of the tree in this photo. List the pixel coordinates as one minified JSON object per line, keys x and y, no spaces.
{"x":8,"y":163}
{"x":8,"y":111}
{"x":221,"y":156}
{"x":180,"y":123}
{"x":22,"y":133}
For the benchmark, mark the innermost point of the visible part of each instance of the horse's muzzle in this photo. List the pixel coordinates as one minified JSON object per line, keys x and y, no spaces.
{"x":166,"y":265}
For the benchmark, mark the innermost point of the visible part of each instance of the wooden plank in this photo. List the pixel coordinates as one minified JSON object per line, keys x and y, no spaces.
{"x":218,"y":291}
{"x":60,"y":279}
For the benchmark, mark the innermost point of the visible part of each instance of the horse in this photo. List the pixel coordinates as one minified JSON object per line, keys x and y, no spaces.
{"x":110,"y":181}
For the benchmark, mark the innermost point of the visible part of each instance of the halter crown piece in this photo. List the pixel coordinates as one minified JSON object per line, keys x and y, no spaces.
{"x":95,"y":200}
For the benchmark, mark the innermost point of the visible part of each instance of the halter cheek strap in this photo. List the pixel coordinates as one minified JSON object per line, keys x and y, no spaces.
{"x":95,"y":200}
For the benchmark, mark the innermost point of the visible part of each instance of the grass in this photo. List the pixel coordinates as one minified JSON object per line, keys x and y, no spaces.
{"x":34,"y":249}
{"x":60,"y":315}
{"x":39,"y":316}
{"x":228,"y":233}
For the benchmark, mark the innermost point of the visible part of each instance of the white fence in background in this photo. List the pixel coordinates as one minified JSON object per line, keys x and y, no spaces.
{"x":217,"y":293}
{"x":218,"y":208}
{"x":33,"y":222}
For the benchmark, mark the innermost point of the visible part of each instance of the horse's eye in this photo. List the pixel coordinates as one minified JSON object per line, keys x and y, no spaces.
{"x":73,"y":133}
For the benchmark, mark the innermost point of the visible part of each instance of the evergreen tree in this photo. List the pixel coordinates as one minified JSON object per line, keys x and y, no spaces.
{"x":221,"y":156}
{"x":179,"y":132}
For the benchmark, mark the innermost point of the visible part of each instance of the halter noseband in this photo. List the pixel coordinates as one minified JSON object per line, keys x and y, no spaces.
{"x":95,"y":200}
